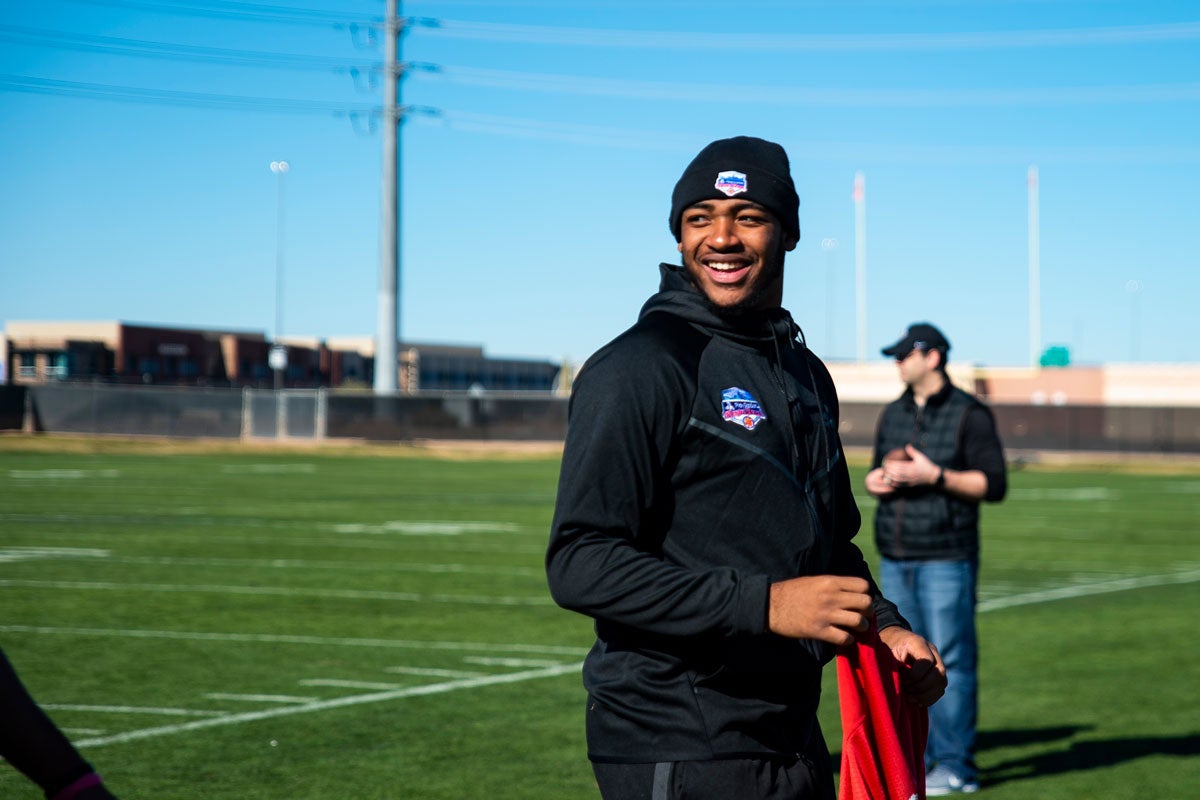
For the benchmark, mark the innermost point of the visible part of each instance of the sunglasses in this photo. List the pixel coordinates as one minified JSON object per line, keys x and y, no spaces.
{"x":917,"y":349}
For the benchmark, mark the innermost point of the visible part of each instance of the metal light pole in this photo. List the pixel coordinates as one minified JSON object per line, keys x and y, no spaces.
{"x":278,"y":355}
{"x":860,"y":262}
{"x":387,"y":331}
{"x":1035,"y":272}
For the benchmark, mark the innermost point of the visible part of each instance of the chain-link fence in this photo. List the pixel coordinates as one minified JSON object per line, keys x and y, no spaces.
{"x":1120,"y":429}
{"x":143,"y":411}
{"x":320,"y":414}
{"x":290,"y":413}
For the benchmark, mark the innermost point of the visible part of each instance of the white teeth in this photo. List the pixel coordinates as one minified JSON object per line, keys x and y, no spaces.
{"x":725,"y":267}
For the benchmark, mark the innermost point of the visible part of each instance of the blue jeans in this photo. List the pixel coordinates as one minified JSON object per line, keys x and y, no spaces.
{"x":938,"y":600}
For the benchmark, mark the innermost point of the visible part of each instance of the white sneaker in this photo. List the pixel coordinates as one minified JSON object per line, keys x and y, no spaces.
{"x":940,"y":782}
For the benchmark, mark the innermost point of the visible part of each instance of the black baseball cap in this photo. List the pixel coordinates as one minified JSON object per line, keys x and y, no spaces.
{"x":919,"y":336}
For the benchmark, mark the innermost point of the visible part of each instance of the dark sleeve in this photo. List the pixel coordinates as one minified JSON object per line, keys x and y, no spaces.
{"x":982,"y":451}
{"x":31,"y":742}
{"x":604,"y":555}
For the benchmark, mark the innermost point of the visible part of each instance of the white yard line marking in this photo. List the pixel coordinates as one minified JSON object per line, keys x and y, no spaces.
{"x":1080,"y":494}
{"x":509,"y":662}
{"x":82,"y":731}
{"x":61,"y":474}
{"x":278,"y":638}
{"x":296,"y":563}
{"x":340,"y":702}
{"x":1083,"y":590}
{"x":336,"y":683}
{"x":260,"y":698}
{"x":1019,"y":565}
{"x":166,"y":712}
{"x":285,"y":591}
{"x":431,"y":672}
{"x":427,"y":527}
{"x":268,"y":469}
{"x":9,"y":554}
{"x":238,"y":537}
{"x":471,"y":682}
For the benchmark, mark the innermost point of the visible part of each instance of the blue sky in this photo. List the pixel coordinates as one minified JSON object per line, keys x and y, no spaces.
{"x":136,"y":138}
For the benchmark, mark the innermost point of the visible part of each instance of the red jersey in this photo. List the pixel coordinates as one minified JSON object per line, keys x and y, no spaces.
{"x":883,"y":733}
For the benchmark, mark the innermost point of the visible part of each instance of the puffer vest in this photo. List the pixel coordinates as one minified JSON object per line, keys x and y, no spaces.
{"x":925,"y":522}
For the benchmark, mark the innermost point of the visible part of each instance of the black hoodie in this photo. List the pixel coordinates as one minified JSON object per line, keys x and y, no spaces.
{"x":702,"y":464}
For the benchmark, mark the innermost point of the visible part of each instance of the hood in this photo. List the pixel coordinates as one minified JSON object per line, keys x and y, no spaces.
{"x":679,"y":296}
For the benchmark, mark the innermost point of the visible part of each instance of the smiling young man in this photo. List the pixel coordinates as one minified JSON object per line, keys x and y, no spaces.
{"x":704,"y":516}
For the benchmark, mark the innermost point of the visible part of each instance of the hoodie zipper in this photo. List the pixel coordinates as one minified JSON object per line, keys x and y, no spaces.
{"x":781,"y":383}
{"x":819,"y":529}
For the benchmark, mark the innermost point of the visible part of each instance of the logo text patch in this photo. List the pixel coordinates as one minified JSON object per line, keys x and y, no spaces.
{"x":731,"y":182}
{"x":739,"y":407}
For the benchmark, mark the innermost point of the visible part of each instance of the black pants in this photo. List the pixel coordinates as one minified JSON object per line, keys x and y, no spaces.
{"x":806,"y":777}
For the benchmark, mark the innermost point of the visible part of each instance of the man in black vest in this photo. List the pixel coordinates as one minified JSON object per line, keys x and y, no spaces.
{"x":937,"y":456}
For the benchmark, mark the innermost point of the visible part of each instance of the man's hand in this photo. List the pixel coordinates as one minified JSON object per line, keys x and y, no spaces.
{"x":925,"y":679}
{"x":917,"y":471}
{"x":829,"y":608}
{"x":878,"y":484}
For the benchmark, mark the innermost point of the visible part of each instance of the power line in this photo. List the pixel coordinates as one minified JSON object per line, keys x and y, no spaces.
{"x":673,"y":40}
{"x":96,"y":91}
{"x":39,"y":37}
{"x":227,"y":9}
{"x":856,"y":152}
{"x":602,"y":135}
{"x":757,"y":42}
{"x":598,"y":135}
{"x":658,"y":90}
{"x":788,"y":95}
{"x":576,"y":85}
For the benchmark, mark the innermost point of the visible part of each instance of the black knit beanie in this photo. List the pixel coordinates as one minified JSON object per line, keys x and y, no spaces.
{"x":743,"y":167}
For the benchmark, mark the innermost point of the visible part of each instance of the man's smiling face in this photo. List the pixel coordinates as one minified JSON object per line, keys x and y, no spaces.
{"x":733,"y":249}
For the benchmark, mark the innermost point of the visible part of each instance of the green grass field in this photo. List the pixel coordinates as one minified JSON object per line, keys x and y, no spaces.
{"x":228,"y":623}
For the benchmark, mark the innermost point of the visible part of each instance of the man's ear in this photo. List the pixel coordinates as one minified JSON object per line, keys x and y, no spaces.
{"x":789,"y":242}
{"x":679,"y":247}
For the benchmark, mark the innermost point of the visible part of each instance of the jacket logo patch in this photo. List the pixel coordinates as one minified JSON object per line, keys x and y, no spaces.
{"x":739,"y":407}
{"x":731,"y":182}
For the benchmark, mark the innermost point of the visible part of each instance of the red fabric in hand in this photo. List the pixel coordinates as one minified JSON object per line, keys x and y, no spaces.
{"x":883,"y":733}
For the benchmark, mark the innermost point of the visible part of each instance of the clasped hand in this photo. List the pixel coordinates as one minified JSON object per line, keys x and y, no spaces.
{"x":895,"y":474}
{"x":834,"y":609}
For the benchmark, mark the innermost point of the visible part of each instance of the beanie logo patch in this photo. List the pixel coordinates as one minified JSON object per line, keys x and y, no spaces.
{"x":731,"y":182}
